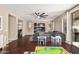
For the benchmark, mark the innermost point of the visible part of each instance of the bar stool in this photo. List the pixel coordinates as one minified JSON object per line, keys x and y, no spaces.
{"x":58,"y":40}
{"x":42,"y":39}
{"x":53,"y":41}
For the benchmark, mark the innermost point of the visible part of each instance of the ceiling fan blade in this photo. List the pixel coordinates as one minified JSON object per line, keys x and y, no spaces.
{"x":45,"y":15}
{"x":42,"y":13}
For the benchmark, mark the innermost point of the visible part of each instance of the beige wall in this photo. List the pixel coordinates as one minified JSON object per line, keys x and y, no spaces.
{"x":4,"y":12}
{"x":58,"y":24}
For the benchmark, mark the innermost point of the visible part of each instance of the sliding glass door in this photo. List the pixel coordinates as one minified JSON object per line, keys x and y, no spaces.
{"x":75,"y":27}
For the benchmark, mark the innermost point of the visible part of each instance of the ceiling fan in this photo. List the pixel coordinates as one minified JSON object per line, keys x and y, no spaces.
{"x":40,"y":15}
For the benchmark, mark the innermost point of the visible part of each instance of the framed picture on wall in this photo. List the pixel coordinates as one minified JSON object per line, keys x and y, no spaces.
{"x":1,"y":22}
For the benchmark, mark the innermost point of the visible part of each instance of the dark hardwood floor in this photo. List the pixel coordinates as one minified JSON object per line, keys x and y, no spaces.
{"x":70,"y":48}
{"x":19,"y":46}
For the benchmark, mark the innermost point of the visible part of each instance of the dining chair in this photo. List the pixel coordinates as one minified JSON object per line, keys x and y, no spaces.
{"x":42,"y":39}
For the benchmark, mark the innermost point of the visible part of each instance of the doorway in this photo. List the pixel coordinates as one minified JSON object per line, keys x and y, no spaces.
{"x":19,"y":33}
{"x":11,"y":28}
{"x":20,"y":29}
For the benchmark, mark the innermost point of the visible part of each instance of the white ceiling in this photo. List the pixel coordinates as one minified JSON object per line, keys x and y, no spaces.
{"x":26,"y":10}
